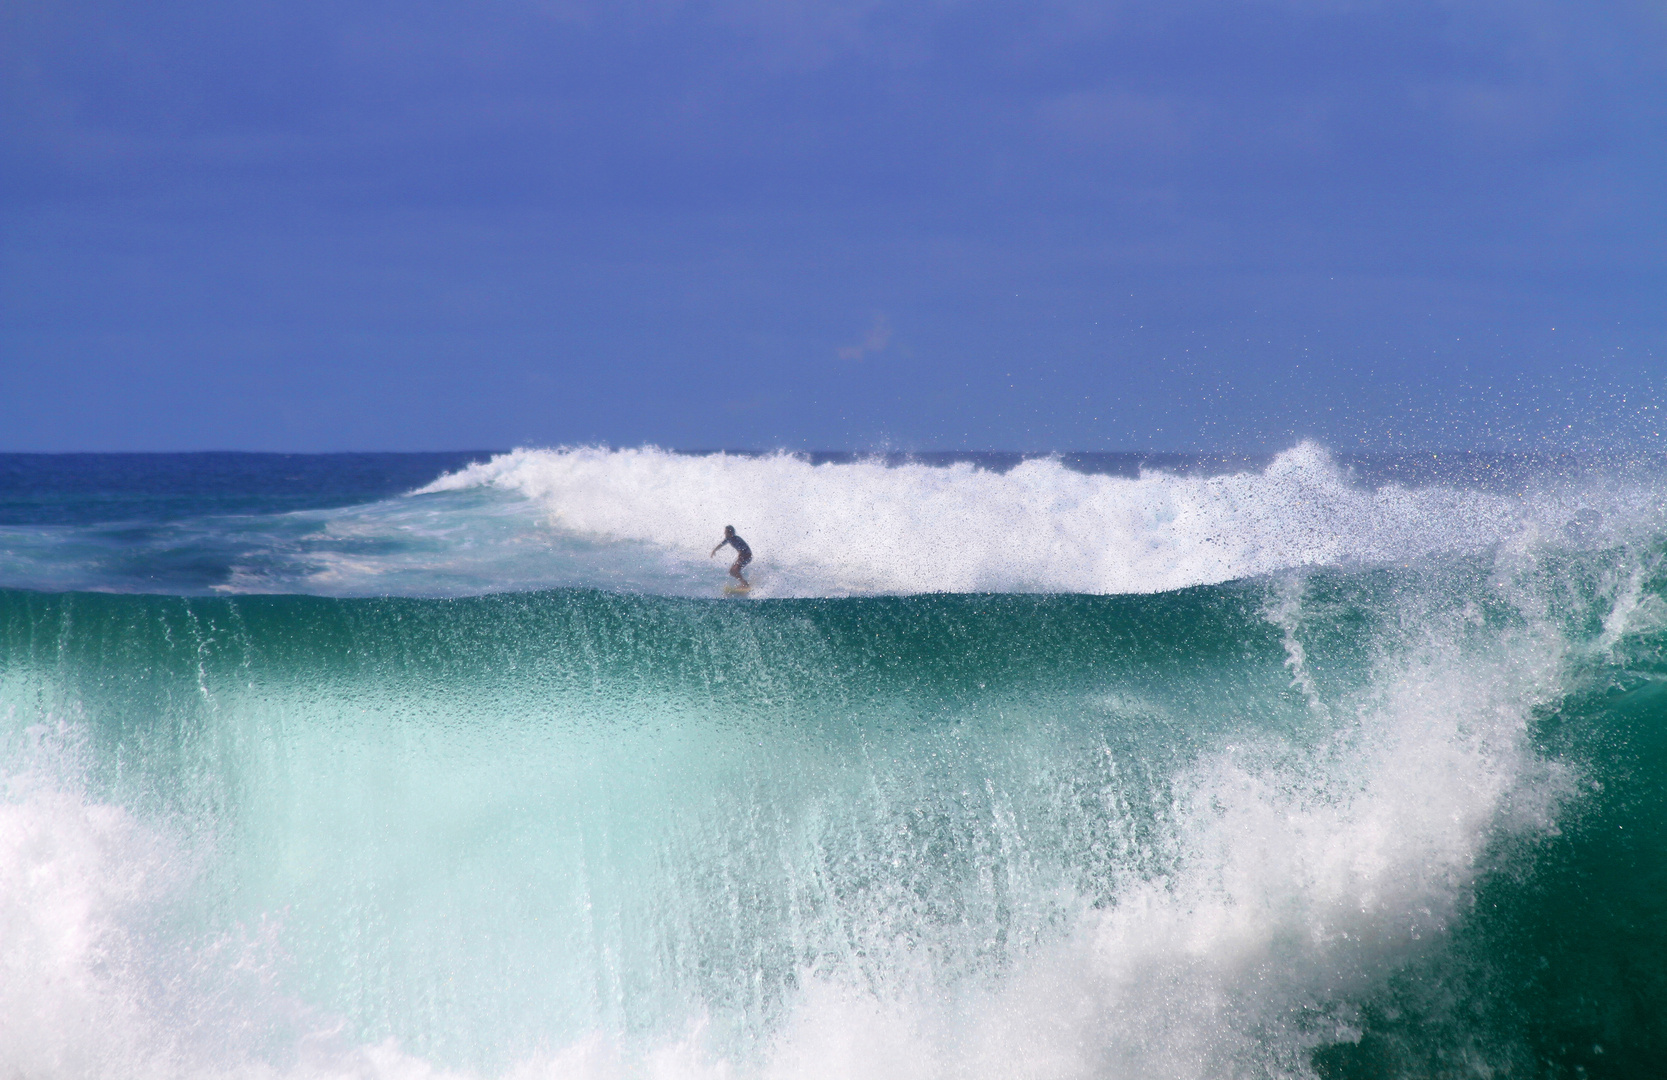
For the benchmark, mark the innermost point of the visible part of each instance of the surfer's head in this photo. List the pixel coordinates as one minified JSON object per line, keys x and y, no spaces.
{"x":729,"y":530}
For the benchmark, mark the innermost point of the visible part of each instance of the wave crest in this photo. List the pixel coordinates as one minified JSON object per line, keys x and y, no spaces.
{"x":872,"y":527}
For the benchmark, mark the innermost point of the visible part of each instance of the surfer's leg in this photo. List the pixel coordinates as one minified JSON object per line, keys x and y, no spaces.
{"x":735,"y":569}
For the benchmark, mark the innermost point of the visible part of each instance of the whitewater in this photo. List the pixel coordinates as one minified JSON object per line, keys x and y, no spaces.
{"x":644,"y":520}
{"x":462,"y":767}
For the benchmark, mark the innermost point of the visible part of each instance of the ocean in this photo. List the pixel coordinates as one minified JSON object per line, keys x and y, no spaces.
{"x":1080,"y":766}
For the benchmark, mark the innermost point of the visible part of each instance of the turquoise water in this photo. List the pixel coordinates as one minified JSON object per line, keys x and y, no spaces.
{"x":1335,"y":810}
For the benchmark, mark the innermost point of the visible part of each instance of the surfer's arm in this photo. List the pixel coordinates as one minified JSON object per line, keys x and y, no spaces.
{"x":719,"y":548}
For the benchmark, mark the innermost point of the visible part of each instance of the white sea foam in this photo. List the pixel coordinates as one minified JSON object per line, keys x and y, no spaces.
{"x":73,"y":873}
{"x":644,"y":520}
{"x":872,"y":527}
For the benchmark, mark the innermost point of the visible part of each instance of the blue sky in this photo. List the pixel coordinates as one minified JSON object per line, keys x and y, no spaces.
{"x":902,"y":224}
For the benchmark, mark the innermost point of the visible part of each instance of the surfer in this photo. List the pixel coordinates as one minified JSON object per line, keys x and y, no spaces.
{"x":743,"y":554}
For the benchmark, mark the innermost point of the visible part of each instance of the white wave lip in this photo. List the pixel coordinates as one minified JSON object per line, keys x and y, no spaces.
{"x":870,"y":527}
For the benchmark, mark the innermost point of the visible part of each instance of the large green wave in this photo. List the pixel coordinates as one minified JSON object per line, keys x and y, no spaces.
{"x":1382,"y":823}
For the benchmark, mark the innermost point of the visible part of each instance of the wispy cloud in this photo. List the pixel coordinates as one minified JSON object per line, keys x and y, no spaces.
{"x":875,"y":341}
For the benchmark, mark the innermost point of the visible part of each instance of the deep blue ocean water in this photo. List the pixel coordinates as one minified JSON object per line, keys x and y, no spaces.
{"x":1086,"y":766}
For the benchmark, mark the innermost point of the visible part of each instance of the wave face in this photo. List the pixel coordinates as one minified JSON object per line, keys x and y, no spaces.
{"x":1382,"y":795}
